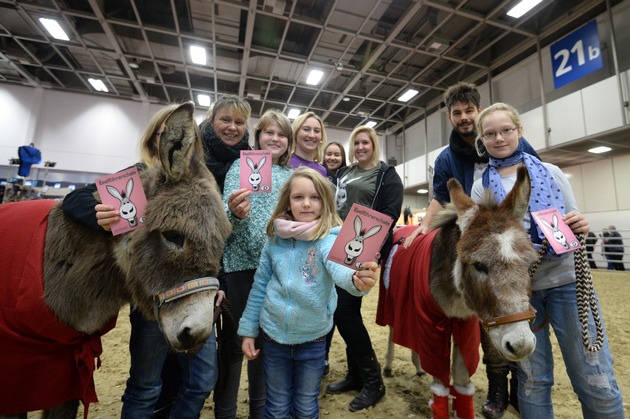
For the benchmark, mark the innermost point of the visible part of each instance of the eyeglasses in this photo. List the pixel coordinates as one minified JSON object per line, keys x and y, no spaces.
{"x":491,"y":135}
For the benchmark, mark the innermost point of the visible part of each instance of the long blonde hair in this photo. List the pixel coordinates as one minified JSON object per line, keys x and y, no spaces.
{"x":329,"y":217}
{"x":376,"y":146}
{"x":274,"y":115}
{"x":297,"y":124}
{"x":149,"y":142}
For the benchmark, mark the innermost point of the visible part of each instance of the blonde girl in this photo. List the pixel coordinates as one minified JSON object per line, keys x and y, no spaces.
{"x":310,"y":139}
{"x":249,"y":214}
{"x":293,"y":297}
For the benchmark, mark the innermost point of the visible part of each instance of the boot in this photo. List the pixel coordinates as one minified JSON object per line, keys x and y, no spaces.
{"x":373,"y":387}
{"x":439,"y":404}
{"x":352,"y":381}
{"x":463,"y":401}
{"x":497,"y":400}
{"x":514,"y":388}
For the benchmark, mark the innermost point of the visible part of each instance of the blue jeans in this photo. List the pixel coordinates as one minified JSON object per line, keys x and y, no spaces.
{"x":148,"y":349}
{"x":293,"y":376}
{"x":591,"y":373}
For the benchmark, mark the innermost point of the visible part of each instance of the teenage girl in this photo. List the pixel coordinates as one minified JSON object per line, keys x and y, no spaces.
{"x":553,"y":286}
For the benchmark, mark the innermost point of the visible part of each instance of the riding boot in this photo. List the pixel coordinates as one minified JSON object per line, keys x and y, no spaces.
{"x":463,"y":401}
{"x":497,"y":400}
{"x":373,"y":387}
{"x":352,"y":380}
{"x":514,"y":388}
{"x":439,"y":404}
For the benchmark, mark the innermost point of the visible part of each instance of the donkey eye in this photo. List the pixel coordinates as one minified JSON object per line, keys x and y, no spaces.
{"x":174,"y":237}
{"x":480,"y":267}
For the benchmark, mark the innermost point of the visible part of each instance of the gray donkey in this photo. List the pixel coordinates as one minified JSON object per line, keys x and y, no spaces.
{"x":79,"y":279}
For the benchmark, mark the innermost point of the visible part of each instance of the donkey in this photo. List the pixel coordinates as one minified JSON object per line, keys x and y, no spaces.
{"x":473,"y":265}
{"x":60,"y":294}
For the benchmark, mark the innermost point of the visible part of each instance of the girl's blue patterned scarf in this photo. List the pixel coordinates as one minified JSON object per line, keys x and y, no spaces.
{"x":544,"y":191}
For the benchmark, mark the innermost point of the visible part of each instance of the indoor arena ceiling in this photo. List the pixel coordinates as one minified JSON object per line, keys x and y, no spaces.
{"x":369,"y":51}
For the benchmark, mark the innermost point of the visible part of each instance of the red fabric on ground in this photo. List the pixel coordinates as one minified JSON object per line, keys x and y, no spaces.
{"x":43,"y":362}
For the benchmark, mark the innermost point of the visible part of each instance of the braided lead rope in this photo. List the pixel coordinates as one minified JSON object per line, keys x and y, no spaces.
{"x":585,"y":293}
{"x":587,"y":303}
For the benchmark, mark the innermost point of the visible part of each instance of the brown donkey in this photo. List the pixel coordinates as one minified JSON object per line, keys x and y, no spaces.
{"x":48,"y":343}
{"x":472,"y":266}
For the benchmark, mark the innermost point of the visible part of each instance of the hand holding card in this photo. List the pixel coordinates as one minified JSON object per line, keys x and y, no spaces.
{"x":556,"y":231}
{"x":123,"y":190}
{"x":361,"y":237}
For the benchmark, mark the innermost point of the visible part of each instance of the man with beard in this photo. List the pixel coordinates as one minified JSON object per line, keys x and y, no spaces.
{"x":460,"y":160}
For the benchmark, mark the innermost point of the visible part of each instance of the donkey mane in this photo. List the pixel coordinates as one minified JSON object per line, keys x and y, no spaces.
{"x":448,"y":215}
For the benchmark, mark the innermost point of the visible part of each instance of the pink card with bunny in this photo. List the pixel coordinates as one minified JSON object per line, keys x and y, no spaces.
{"x":361,"y":237}
{"x":124,"y":192}
{"x":557,"y":232}
{"x":256,"y":170}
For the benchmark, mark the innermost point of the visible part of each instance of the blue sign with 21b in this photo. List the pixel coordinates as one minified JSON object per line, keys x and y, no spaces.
{"x":576,"y":55}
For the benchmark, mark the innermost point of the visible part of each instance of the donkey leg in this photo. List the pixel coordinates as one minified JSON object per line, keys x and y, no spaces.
{"x":67,"y":410}
{"x":463,"y":402}
{"x":389,"y":356}
{"x":463,"y":388}
{"x":439,"y":404}
{"x":415,"y":359}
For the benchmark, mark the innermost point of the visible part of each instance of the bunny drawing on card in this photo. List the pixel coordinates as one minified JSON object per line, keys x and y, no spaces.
{"x":128,"y":210}
{"x":255,"y":178}
{"x":355,"y":247}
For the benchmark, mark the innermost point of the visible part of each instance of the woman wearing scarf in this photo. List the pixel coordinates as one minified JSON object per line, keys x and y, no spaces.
{"x":553,"y":285}
{"x":224,"y":134}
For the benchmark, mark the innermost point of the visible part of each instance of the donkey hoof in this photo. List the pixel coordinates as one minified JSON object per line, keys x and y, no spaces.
{"x":387,"y":372}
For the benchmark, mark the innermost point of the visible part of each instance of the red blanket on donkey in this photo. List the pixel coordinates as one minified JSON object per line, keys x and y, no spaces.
{"x":43,"y":363}
{"x":419,"y":324}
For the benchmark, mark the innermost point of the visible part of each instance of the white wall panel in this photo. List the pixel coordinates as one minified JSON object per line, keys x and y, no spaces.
{"x":621,"y":172}
{"x":574,"y":174}
{"x":599,"y":187}
{"x":602,"y":106}
{"x":534,"y":128}
{"x":415,"y":171}
{"x":566,"y":119}
{"x":18,"y":117}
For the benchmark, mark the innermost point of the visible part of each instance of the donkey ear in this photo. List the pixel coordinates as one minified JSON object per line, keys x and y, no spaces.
{"x":518,"y":198}
{"x":357,"y":225}
{"x":177,"y":141}
{"x":460,"y":200}
{"x":129,"y":188}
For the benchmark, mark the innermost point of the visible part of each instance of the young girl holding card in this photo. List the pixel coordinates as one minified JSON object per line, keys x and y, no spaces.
{"x":294,"y":309}
{"x":249,"y":213}
{"x":553,"y":285}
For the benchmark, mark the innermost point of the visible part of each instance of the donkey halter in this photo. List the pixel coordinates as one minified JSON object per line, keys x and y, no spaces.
{"x":187,"y":288}
{"x":529,"y":315}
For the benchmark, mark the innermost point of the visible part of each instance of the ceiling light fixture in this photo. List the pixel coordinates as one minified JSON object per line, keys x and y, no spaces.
{"x":423,"y":191}
{"x":293,"y":113}
{"x":370,"y":124}
{"x":54,"y":29}
{"x":98,"y":85}
{"x":346,"y":99}
{"x":523,"y":7}
{"x":408,"y":95}
{"x":203,"y":100}
{"x":599,"y":150}
{"x":198,"y":55}
{"x":314,"y":77}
